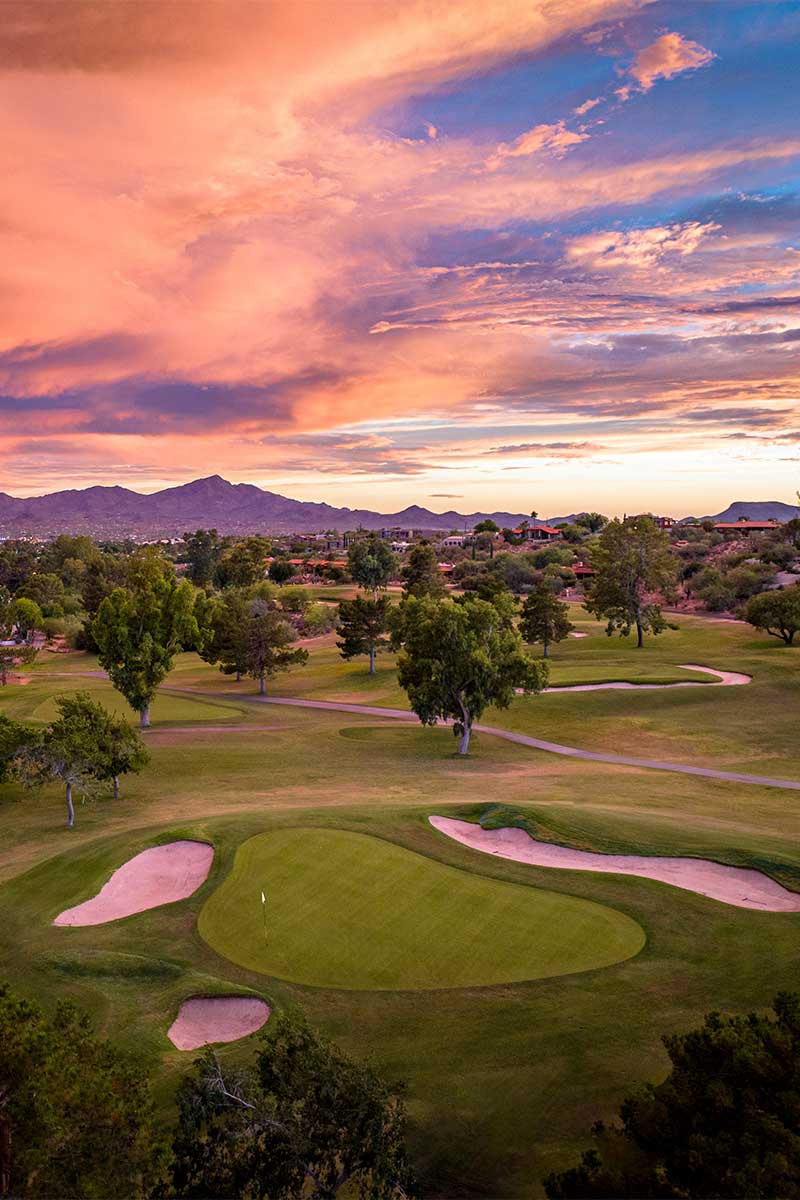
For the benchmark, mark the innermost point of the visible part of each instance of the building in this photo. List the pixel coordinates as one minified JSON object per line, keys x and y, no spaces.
{"x":455,"y":539}
{"x":732,"y":528}
{"x":538,"y":533}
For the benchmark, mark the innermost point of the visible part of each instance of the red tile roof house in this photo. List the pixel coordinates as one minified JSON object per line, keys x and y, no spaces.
{"x":732,"y":527}
{"x":538,"y":533}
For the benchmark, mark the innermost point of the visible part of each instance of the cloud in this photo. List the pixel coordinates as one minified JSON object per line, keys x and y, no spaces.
{"x":639,"y":248}
{"x":587,"y":106}
{"x":555,"y":138}
{"x":549,"y":449}
{"x":666,"y":57}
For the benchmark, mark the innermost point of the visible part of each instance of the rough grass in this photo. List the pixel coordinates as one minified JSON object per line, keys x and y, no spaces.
{"x":349,"y":911}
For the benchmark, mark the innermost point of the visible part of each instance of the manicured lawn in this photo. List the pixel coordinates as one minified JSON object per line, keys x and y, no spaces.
{"x":504,"y":1079}
{"x":349,"y":911}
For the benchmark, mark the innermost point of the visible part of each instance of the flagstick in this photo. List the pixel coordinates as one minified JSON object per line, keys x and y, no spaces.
{"x":264,"y":908}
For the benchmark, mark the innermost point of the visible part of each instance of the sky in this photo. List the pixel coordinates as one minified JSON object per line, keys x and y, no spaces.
{"x":485,"y":254}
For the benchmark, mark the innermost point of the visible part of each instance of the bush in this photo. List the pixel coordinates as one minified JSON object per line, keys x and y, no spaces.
{"x":294,"y":599}
{"x":318,"y":619}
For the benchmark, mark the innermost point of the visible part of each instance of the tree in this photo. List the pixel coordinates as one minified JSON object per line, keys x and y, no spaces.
{"x":203,"y":551}
{"x":593,"y":521}
{"x":245,"y":563}
{"x":27,"y":616}
{"x":70,"y":751}
{"x":15,"y":738}
{"x":723,"y":1123}
{"x":544,"y":617}
{"x":633,"y":560}
{"x":487,"y":526}
{"x":267,"y":639}
{"x":140,"y":628}
{"x":221,"y":622}
{"x":457,"y":659}
{"x":120,"y":749}
{"x":76,"y":1115}
{"x":363,"y":626}
{"x":371,"y":563}
{"x":303,"y":1120}
{"x":777,"y":613}
{"x":421,"y":574}
{"x":12,"y":654}
{"x":281,"y":570}
{"x":45,"y":590}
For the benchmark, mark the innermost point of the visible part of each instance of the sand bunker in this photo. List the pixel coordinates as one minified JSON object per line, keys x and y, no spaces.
{"x":721,"y":679}
{"x":732,"y":885}
{"x":205,"y":1019}
{"x":576,"y":634}
{"x":160,"y":875}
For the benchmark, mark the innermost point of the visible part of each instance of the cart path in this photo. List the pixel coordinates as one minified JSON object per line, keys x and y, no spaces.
{"x":523,"y":739}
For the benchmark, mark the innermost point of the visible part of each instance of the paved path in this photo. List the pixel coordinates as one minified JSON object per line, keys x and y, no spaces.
{"x":523,"y":739}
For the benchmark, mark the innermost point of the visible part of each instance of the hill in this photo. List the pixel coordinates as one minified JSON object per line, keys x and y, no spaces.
{"x":755,"y":510}
{"x":232,"y":508}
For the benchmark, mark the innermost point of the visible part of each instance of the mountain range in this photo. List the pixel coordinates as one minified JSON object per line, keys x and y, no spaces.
{"x":232,"y":508}
{"x":240,"y":508}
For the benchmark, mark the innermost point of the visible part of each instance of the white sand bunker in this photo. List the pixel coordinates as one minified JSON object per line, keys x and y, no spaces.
{"x":721,"y":679}
{"x":205,"y":1019}
{"x":576,"y":634}
{"x":160,"y":875}
{"x":732,"y":885}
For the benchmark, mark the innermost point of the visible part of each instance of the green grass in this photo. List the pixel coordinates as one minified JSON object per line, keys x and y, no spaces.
{"x":349,"y":911}
{"x":504,"y":1080}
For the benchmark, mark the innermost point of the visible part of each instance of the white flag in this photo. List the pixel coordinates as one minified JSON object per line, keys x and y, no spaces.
{"x":263,"y":898}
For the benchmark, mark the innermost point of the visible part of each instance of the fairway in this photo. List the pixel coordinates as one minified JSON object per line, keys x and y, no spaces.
{"x":346,"y":910}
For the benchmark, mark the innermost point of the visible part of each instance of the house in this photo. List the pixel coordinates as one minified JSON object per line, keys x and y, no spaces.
{"x":454,"y":539}
{"x":732,"y":528}
{"x":538,"y":533}
{"x":583,"y":571}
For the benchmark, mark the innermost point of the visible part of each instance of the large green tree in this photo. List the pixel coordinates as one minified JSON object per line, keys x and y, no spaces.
{"x":544,"y":617}
{"x":303,"y":1120}
{"x":371,"y":563}
{"x":635,"y":566}
{"x":421,"y":574}
{"x":459,"y":658}
{"x":203,"y":551}
{"x":363,"y":627}
{"x":244,"y":563}
{"x":776,"y":612}
{"x":268,"y":649}
{"x":140,"y":628}
{"x":724,"y":1123}
{"x":12,"y":652}
{"x":221,"y":622}
{"x":76,"y":1115}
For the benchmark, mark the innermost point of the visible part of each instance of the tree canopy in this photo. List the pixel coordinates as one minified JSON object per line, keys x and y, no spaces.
{"x":140,"y":628}
{"x":634,"y":564}
{"x":363,"y":627}
{"x":302,"y":1120}
{"x":421,"y":574}
{"x":76,"y":1115}
{"x":544,"y":617}
{"x":724,"y":1123}
{"x":776,"y":612}
{"x":371,"y":563}
{"x":267,"y":641}
{"x":203,"y":551}
{"x":458,"y":658}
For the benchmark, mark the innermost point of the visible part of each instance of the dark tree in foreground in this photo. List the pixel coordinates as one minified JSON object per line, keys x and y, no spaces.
{"x":76,"y":1115}
{"x":777,"y":613}
{"x":363,"y":627}
{"x":544,"y":617}
{"x":459,"y":658}
{"x":633,"y":561}
{"x":725,"y":1123}
{"x":304,"y":1120}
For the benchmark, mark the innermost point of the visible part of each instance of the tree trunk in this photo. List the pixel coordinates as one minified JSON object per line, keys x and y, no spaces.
{"x":546,"y":644}
{"x":144,"y":717}
{"x":70,"y":809}
{"x":463,"y":742}
{"x":238,"y":676}
{"x":639,"y":635}
{"x":262,"y":685}
{"x":116,"y":787}
{"x":372,"y":660}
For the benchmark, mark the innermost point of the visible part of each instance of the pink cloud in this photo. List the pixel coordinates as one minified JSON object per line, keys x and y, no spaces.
{"x":555,"y":138}
{"x":667,"y":56}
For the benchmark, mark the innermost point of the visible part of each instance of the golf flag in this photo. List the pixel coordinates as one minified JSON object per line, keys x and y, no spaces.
{"x":263,"y":898}
{"x":264,"y":910}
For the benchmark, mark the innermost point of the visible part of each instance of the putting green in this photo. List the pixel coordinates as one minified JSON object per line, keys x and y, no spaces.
{"x":345,"y":910}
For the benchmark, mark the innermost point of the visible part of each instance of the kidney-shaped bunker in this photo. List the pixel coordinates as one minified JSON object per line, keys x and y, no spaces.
{"x":160,"y":875}
{"x":205,"y":1019}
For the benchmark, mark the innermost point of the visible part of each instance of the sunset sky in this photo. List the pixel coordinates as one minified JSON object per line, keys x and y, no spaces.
{"x":476,"y":254}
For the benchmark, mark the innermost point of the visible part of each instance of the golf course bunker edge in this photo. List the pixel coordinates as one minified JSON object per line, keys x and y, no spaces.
{"x":156,"y":876}
{"x":354,"y":912}
{"x":739,"y":886}
{"x":202,"y":1020}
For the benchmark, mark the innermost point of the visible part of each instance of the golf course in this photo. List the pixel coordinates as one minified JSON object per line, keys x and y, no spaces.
{"x":519,"y":1002}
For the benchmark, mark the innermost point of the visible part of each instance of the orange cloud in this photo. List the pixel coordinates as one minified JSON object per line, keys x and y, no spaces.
{"x":667,"y":56}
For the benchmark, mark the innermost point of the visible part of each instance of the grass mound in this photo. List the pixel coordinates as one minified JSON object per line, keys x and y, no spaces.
{"x":350,"y":911}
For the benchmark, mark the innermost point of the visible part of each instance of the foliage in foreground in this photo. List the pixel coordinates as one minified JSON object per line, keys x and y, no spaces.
{"x":724,"y":1123}
{"x":304,"y":1120}
{"x":776,"y":612}
{"x":76,"y":1115}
